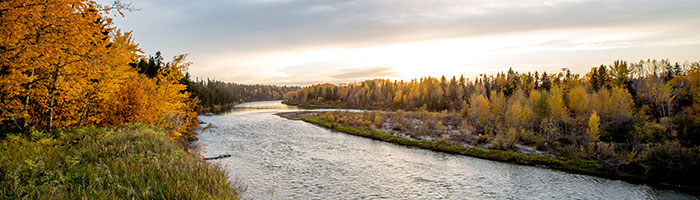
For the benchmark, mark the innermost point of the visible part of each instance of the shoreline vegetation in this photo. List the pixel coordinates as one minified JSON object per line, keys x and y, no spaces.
{"x":638,"y":120}
{"x":540,"y":159}
{"x":313,"y":106}
{"x":119,"y":162}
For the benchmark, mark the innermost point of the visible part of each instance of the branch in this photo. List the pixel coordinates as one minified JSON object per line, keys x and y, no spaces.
{"x":120,"y":7}
{"x":13,"y":118}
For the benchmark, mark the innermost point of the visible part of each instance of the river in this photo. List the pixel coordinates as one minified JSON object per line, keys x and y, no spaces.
{"x":285,"y":159}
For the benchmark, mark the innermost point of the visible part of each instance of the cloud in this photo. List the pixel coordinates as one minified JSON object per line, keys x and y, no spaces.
{"x":243,"y":30}
{"x":365,"y":73}
{"x":321,"y":8}
{"x":217,"y":25}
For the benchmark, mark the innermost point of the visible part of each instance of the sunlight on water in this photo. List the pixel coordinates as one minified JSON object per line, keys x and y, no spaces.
{"x":284,"y":159}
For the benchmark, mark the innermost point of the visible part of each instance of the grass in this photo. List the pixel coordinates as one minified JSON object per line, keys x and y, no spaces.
{"x":557,"y":162}
{"x":124,"y":162}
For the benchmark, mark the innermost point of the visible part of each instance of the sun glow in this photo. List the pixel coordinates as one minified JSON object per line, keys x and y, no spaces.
{"x":469,"y":56}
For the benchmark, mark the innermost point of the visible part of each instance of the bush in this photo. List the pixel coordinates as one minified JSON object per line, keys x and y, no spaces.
{"x":499,"y":142}
{"x":526,"y":136}
{"x":396,"y":126}
{"x":618,"y":131}
{"x":378,"y":120}
{"x":688,"y":130}
{"x":671,"y":162}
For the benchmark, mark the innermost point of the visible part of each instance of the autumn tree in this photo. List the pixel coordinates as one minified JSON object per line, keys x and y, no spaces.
{"x":67,"y":66}
{"x":593,"y":126}
{"x":556,"y":107}
{"x":479,"y":109}
{"x":57,"y":52}
{"x":659,"y":95}
{"x":519,"y":113}
{"x":578,"y":101}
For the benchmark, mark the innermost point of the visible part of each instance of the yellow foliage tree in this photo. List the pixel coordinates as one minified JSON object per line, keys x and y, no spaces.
{"x":66,"y":66}
{"x":593,"y":126}
{"x":498,"y":103}
{"x":555,"y":104}
{"x":578,"y":100}
{"x":613,"y":104}
{"x":54,"y":50}
{"x":519,"y":113}
{"x":479,"y":109}
{"x":622,"y":103}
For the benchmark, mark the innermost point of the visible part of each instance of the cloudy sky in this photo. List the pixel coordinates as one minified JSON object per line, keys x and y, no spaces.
{"x":294,"y":42}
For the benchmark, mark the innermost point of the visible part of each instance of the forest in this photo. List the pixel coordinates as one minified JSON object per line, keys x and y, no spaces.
{"x":215,"y":93}
{"x":212,"y":93}
{"x":639,"y":119}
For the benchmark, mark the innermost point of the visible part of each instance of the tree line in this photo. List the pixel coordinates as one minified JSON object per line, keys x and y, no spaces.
{"x":215,"y":93}
{"x":637,"y":116}
{"x":210,"y":92}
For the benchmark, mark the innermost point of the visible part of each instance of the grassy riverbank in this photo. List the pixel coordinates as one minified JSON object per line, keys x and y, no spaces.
{"x":123,"y":162}
{"x":569,"y":164}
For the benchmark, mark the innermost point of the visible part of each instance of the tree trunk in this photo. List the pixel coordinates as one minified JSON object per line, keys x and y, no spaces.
{"x":26,"y":101}
{"x":52,"y":95}
{"x":51,"y":113}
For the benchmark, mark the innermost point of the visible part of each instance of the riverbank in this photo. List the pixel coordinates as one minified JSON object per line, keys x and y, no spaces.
{"x":121,"y":162}
{"x":569,"y":164}
{"x":314,"y":106}
{"x":216,"y":108}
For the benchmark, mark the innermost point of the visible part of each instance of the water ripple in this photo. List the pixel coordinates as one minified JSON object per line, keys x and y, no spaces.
{"x":284,"y":159}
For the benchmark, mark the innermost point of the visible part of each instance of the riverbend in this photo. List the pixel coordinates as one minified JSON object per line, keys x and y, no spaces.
{"x":287,"y":159}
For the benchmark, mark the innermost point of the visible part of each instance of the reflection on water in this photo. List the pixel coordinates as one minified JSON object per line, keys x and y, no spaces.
{"x":252,"y":106}
{"x":285,"y":159}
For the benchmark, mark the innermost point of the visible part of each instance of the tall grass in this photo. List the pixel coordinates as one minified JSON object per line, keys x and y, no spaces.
{"x":125,"y":162}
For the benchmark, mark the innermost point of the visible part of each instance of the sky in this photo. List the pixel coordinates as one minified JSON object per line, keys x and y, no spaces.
{"x":294,"y":42}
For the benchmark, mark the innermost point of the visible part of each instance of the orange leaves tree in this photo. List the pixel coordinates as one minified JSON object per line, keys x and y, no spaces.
{"x":62,"y":64}
{"x":158,"y":100}
{"x":48,"y":48}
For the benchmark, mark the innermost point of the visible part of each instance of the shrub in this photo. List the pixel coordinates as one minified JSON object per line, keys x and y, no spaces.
{"x":498,"y":142}
{"x":396,"y":126}
{"x":441,"y":126}
{"x":378,"y":120}
{"x":511,"y":137}
{"x":688,"y":130}
{"x":671,"y":162}
{"x":526,"y":136}
{"x":618,"y":131}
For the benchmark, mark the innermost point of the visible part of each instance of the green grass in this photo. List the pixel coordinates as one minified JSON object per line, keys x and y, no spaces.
{"x":557,"y":162}
{"x":125,"y":162}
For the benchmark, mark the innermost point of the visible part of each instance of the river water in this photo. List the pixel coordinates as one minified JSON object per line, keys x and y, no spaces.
{"x":285,"y":159}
